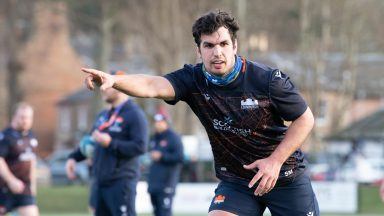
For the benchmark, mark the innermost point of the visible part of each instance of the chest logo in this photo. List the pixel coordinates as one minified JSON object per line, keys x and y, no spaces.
{"x":163,"y":143}
{"x":249,"y":103}
{"x":34,"y":142}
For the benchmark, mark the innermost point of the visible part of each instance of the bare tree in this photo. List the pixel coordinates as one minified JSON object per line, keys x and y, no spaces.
{"x":17,"y":30}
{"x":353,"y":19}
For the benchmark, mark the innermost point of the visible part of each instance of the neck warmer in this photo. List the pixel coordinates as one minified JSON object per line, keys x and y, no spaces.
{"x":224,"y":80}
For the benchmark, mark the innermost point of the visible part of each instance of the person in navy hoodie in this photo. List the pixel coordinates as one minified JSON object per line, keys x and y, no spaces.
{"x":166,"y":152}
{"x":120,"y":136}
{"x":18,"y":164}
{"x":243,"y":106}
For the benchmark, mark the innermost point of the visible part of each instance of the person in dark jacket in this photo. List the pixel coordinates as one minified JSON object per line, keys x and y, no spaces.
{"x":166,"y":152}
{"x":120,"y":136}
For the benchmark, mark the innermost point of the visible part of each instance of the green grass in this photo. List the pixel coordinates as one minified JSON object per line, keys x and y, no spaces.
{"x":73,"y":201}
{"x":369,"y":200}
{"x":63,"y":199}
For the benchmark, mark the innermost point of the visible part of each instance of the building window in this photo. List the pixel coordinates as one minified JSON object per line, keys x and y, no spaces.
{"x":82,"y":118}
{"x":65,"y":119}
{"x":322,"y":114}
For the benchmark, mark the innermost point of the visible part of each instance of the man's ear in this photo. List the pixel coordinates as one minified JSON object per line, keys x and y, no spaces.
{"x":198,"y":52}
{"x":235,"y":46}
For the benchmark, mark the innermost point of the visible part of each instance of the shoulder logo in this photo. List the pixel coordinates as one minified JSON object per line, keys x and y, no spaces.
{"x":278,"y":74}
{"x":310,"y":213}
{"x":1,"y":136}
{"x":207,"y":96}
{"x":249,"y":103}
{"x":219,"y":199}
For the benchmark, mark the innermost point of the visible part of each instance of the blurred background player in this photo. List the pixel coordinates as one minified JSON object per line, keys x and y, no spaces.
{"x":120,"y":135}
{"x":166,"y":152}
{"x":18,"y":164}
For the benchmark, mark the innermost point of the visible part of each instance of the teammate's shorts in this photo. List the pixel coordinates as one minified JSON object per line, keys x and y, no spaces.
{"x":292,"y":199}
{"x":10,"y":201}
{"x":116,"y":199}
{"x":162,"y":203}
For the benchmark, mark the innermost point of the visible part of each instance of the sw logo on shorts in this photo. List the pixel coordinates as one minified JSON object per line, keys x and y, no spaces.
{"x":219,"y":199}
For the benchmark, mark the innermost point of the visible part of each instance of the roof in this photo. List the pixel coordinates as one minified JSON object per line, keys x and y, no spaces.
{"x":77,"y":97}
{"x":369,"y":128}
{"x":369,"y":75}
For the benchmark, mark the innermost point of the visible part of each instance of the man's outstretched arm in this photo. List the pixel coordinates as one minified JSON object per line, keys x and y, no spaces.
{"x":137,"y":85}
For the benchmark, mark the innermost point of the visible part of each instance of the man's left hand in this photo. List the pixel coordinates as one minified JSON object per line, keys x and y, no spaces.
{"x":267,"y":174}
{"x":103,"y":138}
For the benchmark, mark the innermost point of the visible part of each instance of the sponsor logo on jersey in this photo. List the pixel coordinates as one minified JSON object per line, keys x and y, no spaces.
{"x":225,"y":125}
{"x":1,"y":136}
{"x":27,"y":155}
{"x":219,"y":199}
{"x":249,"y":103}
{"x":310,"y":213}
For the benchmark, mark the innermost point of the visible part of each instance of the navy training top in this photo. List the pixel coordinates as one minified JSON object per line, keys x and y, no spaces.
{"x":120,"y":159}
{"x":164,"y":174}
{"x":244,"y":120}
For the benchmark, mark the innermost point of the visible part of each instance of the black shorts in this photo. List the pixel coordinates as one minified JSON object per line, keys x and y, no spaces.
{"x":10,"y":201}
{"x":292,"y":199}
{"x":116,"y":199}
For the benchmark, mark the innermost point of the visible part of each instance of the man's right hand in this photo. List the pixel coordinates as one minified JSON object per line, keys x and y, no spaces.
{"x":16,"y":186}
{"x":100,"y":78}
{"x":70,"y":169}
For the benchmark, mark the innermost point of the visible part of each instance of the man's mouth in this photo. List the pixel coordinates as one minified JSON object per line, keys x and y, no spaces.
{"x":218,"y":64}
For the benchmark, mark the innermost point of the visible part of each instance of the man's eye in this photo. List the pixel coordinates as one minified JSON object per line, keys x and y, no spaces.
{"x":224,"y":43}
{"x":208,"y":45}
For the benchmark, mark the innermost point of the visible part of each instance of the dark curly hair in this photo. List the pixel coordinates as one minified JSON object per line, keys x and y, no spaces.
{"x":210,"y":22}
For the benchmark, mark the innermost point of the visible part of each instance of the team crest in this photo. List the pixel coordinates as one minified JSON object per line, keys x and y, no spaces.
{"x":219,"y":199}
{"x":34,"y":142}
{"x":249,"y":103}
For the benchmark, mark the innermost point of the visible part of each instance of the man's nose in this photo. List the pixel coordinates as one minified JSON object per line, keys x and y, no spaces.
{"x":217,"y":50}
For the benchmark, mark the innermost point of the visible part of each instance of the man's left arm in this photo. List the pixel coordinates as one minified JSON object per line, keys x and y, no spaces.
{"x":269,"y":168}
